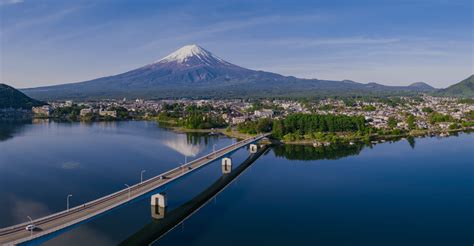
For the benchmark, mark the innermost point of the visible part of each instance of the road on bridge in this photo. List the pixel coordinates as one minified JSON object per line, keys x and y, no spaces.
{"x":17,"y":234}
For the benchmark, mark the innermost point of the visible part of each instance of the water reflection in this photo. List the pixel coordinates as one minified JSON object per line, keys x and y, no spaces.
{"x":157,"y":212}
{"x":164,"y":221}
{"x":181,"y":145}
{"x":411,"y":141}
{"x":190,"y":144}
{"x":308,"y":152}
{"x":9,"y":129}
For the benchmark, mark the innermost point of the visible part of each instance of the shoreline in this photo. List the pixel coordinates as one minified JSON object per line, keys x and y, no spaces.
{"x":382,"y":138}
{"x":374,"y":138}
{"x":224,"y":131}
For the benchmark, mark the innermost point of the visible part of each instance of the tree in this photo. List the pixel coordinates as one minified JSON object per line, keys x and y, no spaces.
{"x":277,"y":129}
{"x":369,"y":108}
{"x":392,"y":122}
{"x":437,"y":117}
{"x":411,"y":122}
{"x":254,"y":127}
{"x":470,"y":115}
{"x":427,"y":110}
{"x":264,"y":125}
{"x":454,"y":126}
{"x":307,"y":124}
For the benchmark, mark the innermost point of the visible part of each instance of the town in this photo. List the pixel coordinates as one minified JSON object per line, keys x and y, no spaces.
{"x":392,"y":116}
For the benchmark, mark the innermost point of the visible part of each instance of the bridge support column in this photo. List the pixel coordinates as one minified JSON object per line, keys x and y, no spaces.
{"x":159,"y":200}
{"x":226,"y":165}
{"x":253,"y":148}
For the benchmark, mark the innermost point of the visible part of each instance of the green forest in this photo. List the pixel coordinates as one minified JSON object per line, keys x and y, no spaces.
{"x":303,"y":124}
{"x":298,"y":126}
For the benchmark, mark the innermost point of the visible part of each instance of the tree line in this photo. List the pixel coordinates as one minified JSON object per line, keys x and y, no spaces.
{"x":309,"y":123}
{"x":302,"y":124}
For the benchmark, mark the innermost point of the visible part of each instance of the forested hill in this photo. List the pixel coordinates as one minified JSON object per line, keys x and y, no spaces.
{"x":12,"y":98}
{"x":464,"y":88}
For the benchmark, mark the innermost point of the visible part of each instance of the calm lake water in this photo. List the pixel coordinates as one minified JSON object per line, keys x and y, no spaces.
{"x":403,"y":193}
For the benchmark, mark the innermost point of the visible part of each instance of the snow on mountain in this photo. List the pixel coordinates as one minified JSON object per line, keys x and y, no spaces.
{"x":193,"y":54}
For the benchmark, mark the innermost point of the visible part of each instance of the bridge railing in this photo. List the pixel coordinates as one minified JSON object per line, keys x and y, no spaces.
{"x":244,"y":142}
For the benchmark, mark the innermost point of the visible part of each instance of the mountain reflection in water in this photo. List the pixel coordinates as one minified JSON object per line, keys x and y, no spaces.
{"x":9,"y":129}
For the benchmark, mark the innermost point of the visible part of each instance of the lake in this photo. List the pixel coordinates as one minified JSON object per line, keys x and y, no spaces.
{"x":409,"y":192}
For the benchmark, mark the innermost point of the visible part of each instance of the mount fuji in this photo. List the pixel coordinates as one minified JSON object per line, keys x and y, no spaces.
{"x":194,"y":72}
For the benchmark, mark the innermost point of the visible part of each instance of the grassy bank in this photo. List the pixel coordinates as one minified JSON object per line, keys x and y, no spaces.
{"x":331,"y":138}
{"x":376,"y":137}
{"x":172,"y":125}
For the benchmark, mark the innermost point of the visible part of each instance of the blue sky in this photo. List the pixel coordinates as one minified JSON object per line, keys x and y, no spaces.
{"x":391,"y":42}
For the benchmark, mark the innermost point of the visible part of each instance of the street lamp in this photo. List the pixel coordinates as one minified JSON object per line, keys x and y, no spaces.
{"x":67,"y":203}
{"x":214,"y":150}
{"x":141,"y":176}
{"x":31,"y":223}
{"x":128,"y":191}
{"x":182,"y":167}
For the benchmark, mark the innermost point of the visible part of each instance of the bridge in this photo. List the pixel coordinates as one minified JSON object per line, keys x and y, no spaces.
{"x":164,"y":221}
{"x":60,"y":221}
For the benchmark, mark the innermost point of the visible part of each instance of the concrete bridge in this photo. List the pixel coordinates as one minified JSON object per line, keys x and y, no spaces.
{"x":164,"y":220}
{"x":60,"y":221}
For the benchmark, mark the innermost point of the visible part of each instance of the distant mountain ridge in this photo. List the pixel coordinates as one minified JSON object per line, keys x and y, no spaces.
{"x":422,"y":85}
{"x":12,"y":98}
{"x":194,"y":72}
{"x":464,"y":88}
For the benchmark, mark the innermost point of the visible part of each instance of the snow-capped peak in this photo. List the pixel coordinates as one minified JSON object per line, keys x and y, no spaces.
{"x":187,"y":52}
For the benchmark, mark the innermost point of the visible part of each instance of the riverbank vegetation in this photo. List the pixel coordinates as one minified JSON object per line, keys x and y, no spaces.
{"x":325,"y":129}
{"x":310,"y":128}
{"x":190,"y":117}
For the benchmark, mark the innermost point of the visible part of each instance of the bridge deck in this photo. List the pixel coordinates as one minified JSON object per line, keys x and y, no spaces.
{"x":17,"y":234}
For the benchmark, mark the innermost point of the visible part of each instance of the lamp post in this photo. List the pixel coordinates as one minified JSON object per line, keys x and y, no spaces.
{"x":67,"y":202}
{"x":214,"y":150}
{"x":182,"y":167}
{"x":31,"y":223}
{"x":128,"y":191}
{"x":141,"y":176}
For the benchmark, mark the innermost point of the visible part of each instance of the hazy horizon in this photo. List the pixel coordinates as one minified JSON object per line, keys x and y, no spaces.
{"x":52,"y":42}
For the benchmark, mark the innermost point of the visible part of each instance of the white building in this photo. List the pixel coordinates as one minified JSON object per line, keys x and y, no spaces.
{"x":111,"y":113}
{"x":42,"y":111}
{"x":86,"y":111}
{"x":264,"y":113}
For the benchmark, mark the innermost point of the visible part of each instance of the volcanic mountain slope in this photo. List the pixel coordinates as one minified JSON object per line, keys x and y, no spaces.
{"x":194,"y":72}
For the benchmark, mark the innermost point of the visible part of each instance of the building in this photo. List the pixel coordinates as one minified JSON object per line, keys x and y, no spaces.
{"x":109,"y":113}
{"x":238,"y":120}
{"x":264,"y":113}
{"x":86,"y":111}
{"x":42,"y":111}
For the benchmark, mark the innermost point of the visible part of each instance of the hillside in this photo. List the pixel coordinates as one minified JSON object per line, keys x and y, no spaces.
{"x":464,"y":88}
{"x":12,"y":98}
{"x":194,"y":72}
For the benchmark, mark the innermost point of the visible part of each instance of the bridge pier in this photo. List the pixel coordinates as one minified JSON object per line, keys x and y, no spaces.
{"x":253,"y":148}
{"x":159,"y":200}
{"x":226,"y":165}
